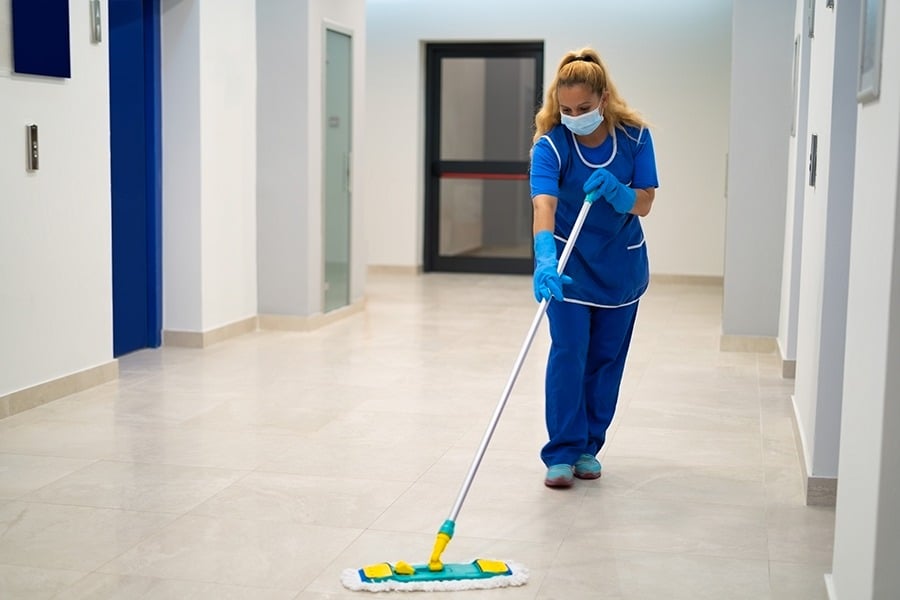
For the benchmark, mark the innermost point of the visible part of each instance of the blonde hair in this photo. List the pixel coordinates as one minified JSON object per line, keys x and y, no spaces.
{"x":585,"y":67}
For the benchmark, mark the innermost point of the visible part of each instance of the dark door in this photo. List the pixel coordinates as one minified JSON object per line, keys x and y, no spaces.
{"x":135,"y":172}
{"x":480,"y":106}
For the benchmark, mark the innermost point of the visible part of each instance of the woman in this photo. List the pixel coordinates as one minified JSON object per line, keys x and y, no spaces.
{"x":588,"y":145}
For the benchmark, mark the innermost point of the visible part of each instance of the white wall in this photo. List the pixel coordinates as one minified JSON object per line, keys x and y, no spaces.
{"x":760,"y":123}
{"x":181,"y":172}
{"x":826,"y":237}
{"x":283,"y":156}
{"x":209,"y":163}
{"x":228,"y":160}
{"x":676,"y":71}
{"x":291,"y":90}
{"x":867,"y":531}
{"x":55,"y":232}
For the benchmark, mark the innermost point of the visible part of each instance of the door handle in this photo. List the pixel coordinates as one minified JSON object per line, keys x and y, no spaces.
{"x":349,"y":182}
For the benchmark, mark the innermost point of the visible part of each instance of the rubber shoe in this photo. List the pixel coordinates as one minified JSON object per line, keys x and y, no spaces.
{"x":587,"y":467}
{"x":559,"y":476}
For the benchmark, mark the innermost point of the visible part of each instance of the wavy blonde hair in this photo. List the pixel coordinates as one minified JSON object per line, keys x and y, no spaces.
{"x":585,"y":67}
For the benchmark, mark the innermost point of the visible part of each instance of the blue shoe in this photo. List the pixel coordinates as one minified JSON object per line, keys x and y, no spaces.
{"x":559,"y":476}
{"x":587,"y":467}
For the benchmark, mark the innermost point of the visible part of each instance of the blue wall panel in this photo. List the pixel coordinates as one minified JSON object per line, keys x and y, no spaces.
{"x":41,"y":37}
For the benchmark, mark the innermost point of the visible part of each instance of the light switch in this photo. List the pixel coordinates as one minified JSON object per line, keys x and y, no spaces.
{"x":32,"y":135}
{"x":813,"y":158}
{"x":96,"y":29}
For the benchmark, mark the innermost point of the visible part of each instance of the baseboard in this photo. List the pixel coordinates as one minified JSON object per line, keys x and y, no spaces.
{"x":394,"y":270}
{"x":662,"y":278}
{"x":788,"y":366}
{"x":788,"y":369}
{"x":687,"y":279}
{"x":36,"y":395}
{"x":748,"y":343}
{"x":203,"y":339}
{"x":312,"y":322}
{"x":818,"y":491}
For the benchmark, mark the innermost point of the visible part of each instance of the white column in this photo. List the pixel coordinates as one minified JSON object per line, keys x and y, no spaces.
{"x":209,"y":164}
{"x":796,"y":186}
{"x":867,"y":528}
{"x":826,"y":246}
{"x":761,"y":69}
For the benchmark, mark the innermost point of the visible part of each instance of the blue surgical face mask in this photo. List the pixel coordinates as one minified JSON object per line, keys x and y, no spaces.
{"x":584,"y":124}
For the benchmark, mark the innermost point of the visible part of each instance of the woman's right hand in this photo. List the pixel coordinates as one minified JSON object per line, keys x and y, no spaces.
{"x":547,"y":282}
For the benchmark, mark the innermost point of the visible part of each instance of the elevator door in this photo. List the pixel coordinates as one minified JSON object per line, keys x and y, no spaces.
{"x":134,"y":123}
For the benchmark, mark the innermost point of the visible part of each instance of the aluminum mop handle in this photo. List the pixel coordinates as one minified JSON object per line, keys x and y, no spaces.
{"x":446,"y":530}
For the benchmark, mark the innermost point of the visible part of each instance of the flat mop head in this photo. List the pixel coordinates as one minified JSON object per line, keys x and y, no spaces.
{"x":479,"y":574}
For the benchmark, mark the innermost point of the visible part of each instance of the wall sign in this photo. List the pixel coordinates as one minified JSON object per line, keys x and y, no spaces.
{"x":40,"y":33}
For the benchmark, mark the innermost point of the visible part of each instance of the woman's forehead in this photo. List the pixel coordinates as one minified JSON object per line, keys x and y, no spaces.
{"x":572,"y":95}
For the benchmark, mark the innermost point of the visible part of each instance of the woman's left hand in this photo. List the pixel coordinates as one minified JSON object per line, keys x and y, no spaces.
{"x":603,"y":183}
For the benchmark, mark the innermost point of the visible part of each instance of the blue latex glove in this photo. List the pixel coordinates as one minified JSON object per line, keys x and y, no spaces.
{"x":603,"y":183}
{"x":547,"y":282}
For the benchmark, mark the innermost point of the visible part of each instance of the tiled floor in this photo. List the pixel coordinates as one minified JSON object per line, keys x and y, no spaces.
{"x":260,"y":468}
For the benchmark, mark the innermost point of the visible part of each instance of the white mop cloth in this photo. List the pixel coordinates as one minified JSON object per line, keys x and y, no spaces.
{"x":350,"y":579}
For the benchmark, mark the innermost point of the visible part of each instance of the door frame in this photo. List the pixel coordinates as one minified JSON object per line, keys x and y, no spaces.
{"x":329,"y":25}
{"x":153,"y":102}
{"x":498,"y":170}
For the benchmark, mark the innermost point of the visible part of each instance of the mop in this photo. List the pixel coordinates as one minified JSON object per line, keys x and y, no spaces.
{"x":480,"y":573}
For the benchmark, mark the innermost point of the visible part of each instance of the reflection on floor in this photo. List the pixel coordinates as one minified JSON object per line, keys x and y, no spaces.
{"x":519,"y":251}
{"x":337,"y":285}
{"x":265,"y":465}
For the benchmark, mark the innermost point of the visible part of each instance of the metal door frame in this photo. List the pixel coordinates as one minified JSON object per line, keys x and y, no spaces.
{"x":435,"y":168}
{"x":329,"y":25}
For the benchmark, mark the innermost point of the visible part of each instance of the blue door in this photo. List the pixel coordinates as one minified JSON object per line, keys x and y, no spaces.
{"x":135,"y":170}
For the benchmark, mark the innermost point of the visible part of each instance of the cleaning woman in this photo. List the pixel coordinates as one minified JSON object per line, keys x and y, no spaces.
{"x":588,"y":145}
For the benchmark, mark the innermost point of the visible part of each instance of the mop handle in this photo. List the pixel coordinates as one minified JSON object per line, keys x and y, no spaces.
{"x":529,"y":338}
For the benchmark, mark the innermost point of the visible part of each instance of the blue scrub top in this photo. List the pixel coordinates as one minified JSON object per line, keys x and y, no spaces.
{"x":609,"y":264}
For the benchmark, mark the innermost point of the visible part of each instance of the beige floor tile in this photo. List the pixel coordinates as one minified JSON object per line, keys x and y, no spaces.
{"x":70,"y":537}
{"x":98,"y":586}
{"x":65,"y":439}
{"x":137,"y":487}
{"x":668,"y":526}
{"x":201,"y":448}
{"x":29,"y":583}
{"x":678,"y":446}
{"x":270,"y":554}
{"x":138,"y":406}
{"x":801,"y":534}
{"x":587,"y":571}
{"x":792,"y":581}
{"x":263,"y":466}
{"x":20,"y":474}
{"x":328,"y":500}
{"x":664,"y":480}
{"x":543,"y":518}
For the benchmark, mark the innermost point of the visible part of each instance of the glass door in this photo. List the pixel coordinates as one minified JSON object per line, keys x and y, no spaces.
{"x":336,"y":185}
{"x":480,"y":106}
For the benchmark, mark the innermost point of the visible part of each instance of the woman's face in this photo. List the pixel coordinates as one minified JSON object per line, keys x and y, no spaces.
{"x":575,"y":100}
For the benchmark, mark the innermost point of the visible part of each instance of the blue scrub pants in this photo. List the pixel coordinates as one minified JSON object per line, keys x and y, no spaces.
{"x":584,"y":371}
